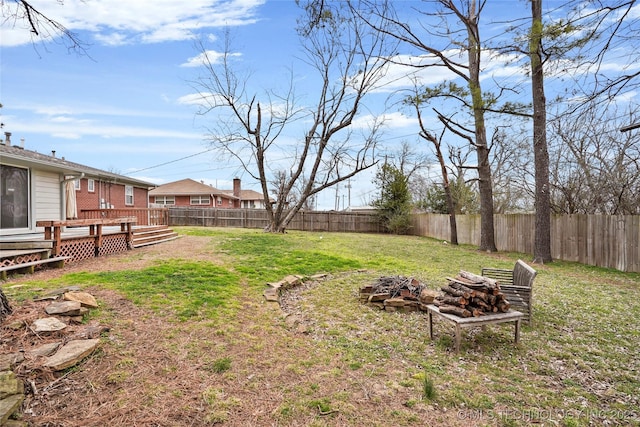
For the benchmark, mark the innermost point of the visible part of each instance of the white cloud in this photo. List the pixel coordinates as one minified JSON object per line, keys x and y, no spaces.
{"x":74,"y":129}
{"x":207,"y":57}
{"x":395,"y":120}
{"x":66,"y":135}
{"x":80,"y":109}
{"x":199,"y":99}
{"x":115,"y":22}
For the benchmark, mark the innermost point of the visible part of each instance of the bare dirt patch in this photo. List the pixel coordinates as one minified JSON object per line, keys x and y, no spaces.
{"x":154,"y":371}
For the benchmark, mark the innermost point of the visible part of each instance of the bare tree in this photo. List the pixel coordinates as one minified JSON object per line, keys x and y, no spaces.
{"x":38,"y":24}
{"x":597,"y":33}
{"x":417,"y":101}
{"x":465,"y":13}
{"x":596,"y":168}
{"x":350,"y":60}
{"x":513,"y":179}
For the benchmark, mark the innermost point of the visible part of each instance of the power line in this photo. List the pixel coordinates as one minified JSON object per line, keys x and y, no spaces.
{"x":173,"y":161}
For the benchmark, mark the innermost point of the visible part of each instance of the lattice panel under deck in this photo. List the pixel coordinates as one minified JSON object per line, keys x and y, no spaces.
{"x":20,"y":259}
{"x":78,"y":249}
{"x":113,"y":244}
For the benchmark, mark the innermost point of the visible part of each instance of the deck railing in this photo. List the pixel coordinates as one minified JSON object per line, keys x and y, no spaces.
{"x":144,"y":216}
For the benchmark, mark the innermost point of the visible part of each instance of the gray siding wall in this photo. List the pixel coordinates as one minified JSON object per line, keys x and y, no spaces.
{"x":46,"y":196}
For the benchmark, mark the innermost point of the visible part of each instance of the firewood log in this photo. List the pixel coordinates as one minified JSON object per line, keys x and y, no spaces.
{"x":455,"y":292}
{"x":451,"y":300}
{"x":474,"y":278}
{"x":459,"y":286}
{"x":481,"y":296}
{"x":476,"y":312}
{"x":480,"y":304}
{"x":452,"y":309}
{"x":503,"y":306}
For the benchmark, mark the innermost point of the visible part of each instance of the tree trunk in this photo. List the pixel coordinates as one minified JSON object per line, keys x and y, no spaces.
{"x":485,"y":185}
{"x":542,"y":245}
{"x":5,"y":308}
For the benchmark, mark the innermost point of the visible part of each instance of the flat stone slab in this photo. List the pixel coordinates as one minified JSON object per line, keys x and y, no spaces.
{"x":10,"y":384}
{"x":84,"y":298}
{"x":8,"y":406}
{"x":48,"y":324}
{"x":14,"y":423}
{"x":9,"y":361}
{"x":272,"y":294}
{"x":292,"y":280}
{"x":45,"y":349}
{"x":71,"y":354}
{"x":61,"y":291}
{"x":64,"y":308}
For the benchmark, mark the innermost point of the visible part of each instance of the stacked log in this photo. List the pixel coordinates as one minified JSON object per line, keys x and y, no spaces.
{"x":469,"y":294}
{"x":397,"y":293}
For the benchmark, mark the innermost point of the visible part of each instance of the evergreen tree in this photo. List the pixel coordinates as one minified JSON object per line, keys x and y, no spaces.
{"x":394,"y":204}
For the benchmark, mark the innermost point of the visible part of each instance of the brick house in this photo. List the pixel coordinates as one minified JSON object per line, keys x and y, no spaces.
{"x":96,"y":192}
{"x":188,"y":192}
{"x":36,"y":186}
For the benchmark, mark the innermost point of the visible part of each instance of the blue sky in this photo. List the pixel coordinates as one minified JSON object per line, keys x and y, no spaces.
{"x":124,"y":106}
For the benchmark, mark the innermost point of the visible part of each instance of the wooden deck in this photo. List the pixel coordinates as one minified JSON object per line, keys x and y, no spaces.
{"x":75,"y":240}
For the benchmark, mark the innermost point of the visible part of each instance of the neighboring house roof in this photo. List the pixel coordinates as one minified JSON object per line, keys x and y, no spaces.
{"x":18,"y":156}
{"x":188,"y":187}
{"x":247,"y":195}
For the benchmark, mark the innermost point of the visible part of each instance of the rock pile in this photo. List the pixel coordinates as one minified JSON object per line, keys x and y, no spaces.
{"x":63,"y":345}
{"x":274,"y":289}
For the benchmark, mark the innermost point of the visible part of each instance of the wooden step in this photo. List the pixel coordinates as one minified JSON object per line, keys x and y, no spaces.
{"x":29,"y":267}
{"x":152,"y":236}
{"x":165,"y":238}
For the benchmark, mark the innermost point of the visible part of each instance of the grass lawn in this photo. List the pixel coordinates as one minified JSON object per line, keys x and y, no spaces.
{"x":577,"y":365}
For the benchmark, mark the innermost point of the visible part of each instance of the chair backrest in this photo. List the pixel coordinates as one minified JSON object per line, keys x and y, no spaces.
{"x":523,"y":274}
{"x":516,"y":285}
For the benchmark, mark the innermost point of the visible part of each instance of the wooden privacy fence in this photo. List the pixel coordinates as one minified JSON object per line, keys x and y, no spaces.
{"x":600,"y":240}
{"x":356,"y":222}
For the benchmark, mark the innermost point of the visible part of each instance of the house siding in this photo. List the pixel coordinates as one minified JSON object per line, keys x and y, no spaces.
{"x":46,"y":194}
{"x":48,"y":204}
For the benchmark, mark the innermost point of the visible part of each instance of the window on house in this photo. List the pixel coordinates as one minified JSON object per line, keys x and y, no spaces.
{"x":200,"y":200}
{"x":91,"y":186}
{"x":165,"y":200}
{"x":128,"y":195}
{"x":14,"y":197}
{"x":219,"y":200}
{"x":76,"y":184}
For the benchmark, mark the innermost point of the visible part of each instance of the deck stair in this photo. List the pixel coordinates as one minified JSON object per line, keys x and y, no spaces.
{"x":25,"y":257}
{"x":152,"y":235}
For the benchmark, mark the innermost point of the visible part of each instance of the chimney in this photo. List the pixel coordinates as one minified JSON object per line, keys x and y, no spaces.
{"x":53,"y":153}
{"x":21,"y":142}
{"x":7,"y":138}
{"x":236,"y":187}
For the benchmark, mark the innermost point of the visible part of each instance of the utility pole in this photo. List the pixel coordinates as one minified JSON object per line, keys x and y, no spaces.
{"x":349,"y":192}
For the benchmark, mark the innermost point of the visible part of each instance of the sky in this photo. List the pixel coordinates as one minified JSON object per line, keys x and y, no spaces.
{"x":125,"y":104}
